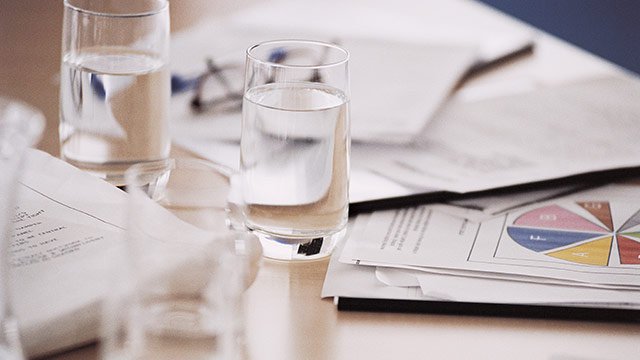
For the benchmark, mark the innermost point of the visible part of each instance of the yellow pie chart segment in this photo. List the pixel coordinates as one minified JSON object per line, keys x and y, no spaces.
{"x":592,"y":253}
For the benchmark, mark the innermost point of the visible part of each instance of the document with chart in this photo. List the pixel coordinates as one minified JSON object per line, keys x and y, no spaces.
{"x":588,"y":239}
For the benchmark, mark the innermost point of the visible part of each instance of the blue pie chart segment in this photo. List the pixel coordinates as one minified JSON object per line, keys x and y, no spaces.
{"x":541,"y":240}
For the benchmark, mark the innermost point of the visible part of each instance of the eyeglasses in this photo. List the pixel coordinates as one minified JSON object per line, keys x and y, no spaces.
{"x":220,"y":88}
{"x":217,"y":89}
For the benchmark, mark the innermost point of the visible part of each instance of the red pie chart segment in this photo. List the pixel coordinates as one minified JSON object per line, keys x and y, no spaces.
{"x":629,"y":250}
{"x":556,"y":217}
{"x":601,"y":210}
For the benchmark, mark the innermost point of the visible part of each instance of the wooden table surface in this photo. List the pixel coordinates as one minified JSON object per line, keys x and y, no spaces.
{"x":285,"y":317}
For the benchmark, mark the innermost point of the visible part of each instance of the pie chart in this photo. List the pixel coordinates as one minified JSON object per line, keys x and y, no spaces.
{"x":563,"y":234}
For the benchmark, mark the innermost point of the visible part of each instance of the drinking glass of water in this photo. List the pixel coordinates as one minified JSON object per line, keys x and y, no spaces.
{"x":294,"y":160}
{"x":177,"y":294}
{"x":114,"y":85}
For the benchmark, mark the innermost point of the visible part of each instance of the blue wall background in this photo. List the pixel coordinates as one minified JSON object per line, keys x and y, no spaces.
{"x":608,"y":28}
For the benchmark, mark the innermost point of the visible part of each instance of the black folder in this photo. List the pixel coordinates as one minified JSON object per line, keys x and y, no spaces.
{"x":604,"y":313}
{"x":584,"y":180}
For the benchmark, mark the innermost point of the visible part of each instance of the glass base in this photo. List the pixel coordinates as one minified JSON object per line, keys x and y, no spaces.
{"x":112,"y":172}
{"x":298,"y":249}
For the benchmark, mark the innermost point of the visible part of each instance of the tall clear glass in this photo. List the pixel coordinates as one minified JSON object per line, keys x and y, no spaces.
{"x":20,"y":127}
{"x":295,"y":147}
{"x":114,"y":85}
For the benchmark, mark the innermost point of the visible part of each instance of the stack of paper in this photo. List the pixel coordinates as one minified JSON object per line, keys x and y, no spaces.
{"x":579,"y":249}
{"x":539,"y":136}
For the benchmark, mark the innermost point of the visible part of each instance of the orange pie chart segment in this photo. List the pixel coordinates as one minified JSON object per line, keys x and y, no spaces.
{"x":601,"y":210}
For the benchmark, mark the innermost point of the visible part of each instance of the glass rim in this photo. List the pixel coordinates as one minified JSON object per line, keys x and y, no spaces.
{"x":140,"y":14}
{"x":253,"y":58}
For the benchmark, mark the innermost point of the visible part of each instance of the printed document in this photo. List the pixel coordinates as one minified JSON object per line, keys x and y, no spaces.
{"x":359,"y":281}
{"x":590,"y":239}
{"x":67,"y":233}
{"x":547,"y":134}
{"x":68,"y":254}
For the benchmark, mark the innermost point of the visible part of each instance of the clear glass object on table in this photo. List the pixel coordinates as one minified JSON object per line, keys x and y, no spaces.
{"x":114,"y":85}
{"x":295,"y":143}
{"x":20,"y":128}
{"x":178,"y":292}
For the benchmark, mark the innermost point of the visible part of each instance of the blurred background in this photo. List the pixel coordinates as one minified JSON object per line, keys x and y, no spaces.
{"x":30,"y":36}
{"x":609,"y":29}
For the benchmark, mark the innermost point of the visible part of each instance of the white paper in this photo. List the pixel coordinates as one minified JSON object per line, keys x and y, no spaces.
{"x":473,"y":289}
{"x":501,"y":142}
{"x":468,"y":289}
{"x":360,"y":281}
{"x":68,"y":227}
{"x":560,"y":239}
{"x":427,"y":21}
{"x":395,"y":87}
{"x":543,"y":135}
{"x":403,"y":275}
